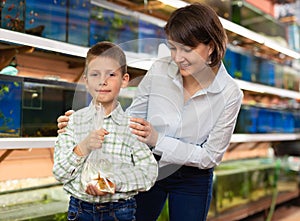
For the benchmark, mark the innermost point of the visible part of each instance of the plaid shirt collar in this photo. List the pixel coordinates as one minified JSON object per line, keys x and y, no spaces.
{"x":117,"y":114}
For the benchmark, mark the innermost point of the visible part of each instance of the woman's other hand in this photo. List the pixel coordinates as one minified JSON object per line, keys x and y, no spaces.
{"x":62,"y":121}
{"x":144,"y":130}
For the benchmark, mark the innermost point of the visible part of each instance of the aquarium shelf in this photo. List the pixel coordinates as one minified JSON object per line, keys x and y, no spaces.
{"x":26,"y":142}
{"x":48,"y":142}
{"x":19,"y":143}
{"x":42,"y":43}
{"x":36,"y":203}
{"x":240,"y":138}
{"x":251,"y":208}
{"x":260,"y":88}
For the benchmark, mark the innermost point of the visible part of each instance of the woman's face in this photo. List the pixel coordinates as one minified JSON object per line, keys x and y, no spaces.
{"x":190,"y":61}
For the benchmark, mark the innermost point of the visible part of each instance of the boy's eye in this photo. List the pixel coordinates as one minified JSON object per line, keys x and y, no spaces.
{"x":111,"y":74}
{"x":93,"y":74}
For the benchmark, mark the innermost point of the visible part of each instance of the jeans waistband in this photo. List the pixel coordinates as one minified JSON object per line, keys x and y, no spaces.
{"x":195,"y":170}
{"x":97,"y":206}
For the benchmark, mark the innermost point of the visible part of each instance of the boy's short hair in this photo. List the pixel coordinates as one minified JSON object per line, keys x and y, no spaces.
{"x":109,"y":50}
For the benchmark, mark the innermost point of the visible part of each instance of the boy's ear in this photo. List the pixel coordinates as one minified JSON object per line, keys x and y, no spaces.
{"x":85,"y":80}
{"x":125,"y":80}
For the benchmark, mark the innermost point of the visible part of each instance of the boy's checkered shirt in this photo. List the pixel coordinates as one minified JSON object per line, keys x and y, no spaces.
{"x":135,"y":168}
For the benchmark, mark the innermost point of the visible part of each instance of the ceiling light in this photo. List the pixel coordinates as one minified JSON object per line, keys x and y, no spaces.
{"x":175,"y":3}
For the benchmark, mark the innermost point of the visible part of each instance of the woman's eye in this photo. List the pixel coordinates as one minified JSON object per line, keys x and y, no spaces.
{"x":187,"y":49}
{"x":170,"y":46}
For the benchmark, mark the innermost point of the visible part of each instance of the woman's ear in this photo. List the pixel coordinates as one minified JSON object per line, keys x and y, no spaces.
{"x":211,"y":48}
{"x":125,"y":80}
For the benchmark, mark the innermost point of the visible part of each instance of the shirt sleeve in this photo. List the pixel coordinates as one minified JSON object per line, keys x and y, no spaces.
{"x":209,"y":153}
{"x":140,"y":173}
{"x":66,"y":162}
{"x":139,"y":105}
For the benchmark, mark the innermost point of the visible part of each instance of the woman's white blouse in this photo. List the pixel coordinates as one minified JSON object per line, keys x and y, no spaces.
{"x":193,"y":133}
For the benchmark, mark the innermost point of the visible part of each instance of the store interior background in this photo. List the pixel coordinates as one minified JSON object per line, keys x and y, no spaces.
{"x":42,"y":50}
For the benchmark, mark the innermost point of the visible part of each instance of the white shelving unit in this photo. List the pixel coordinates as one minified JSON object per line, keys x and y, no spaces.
{"x":144,"y":61}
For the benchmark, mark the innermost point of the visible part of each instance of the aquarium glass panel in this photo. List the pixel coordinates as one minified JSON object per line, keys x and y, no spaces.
{"x":10,"y":107}
{"x":47,"y":18}
{"x":153,"y":33}
{"x":107,"y":25}
{"x":12,"y":15}
{"x":78,"y":22}
{"x":32,"y":96}
{"x":44,"y":101}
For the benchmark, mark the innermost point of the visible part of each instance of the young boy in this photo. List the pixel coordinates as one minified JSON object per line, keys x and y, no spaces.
{"x":134,"y":167}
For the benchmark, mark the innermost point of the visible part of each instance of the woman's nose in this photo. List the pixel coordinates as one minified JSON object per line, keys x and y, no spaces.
{"x":177,"y":56}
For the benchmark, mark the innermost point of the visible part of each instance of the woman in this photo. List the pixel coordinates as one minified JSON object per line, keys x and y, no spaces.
{"x":185,"y":110}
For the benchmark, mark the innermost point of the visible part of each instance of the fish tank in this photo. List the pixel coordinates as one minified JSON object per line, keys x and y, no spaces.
{"x":107,"y":25}
{"x":44,"y":100}
{"x":10,"y":106}
{"x":30,"y":107}
{"x":12,"y":15}
{"x":241,"y":182}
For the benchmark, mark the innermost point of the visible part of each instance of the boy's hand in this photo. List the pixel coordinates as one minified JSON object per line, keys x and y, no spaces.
{"x":144,"y":130}
{"x":93,"y":190}
{"x":62,"y":121}
{"x":93,"y":141}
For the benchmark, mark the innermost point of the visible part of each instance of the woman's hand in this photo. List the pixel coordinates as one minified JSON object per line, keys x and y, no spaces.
{"x":144,"y":130}
{"x":62,"y":121}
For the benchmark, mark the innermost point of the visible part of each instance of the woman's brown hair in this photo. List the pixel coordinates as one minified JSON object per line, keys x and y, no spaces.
{"x":198,"y":23}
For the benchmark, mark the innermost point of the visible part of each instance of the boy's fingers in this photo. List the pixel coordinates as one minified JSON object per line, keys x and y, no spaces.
{"x":62,"y":118}
{"x":69,"y":112}
{"x":61,"y":131}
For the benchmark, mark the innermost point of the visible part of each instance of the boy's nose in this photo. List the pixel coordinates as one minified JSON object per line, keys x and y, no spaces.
{"x":103,"y":80}
{"x":102,"y":83}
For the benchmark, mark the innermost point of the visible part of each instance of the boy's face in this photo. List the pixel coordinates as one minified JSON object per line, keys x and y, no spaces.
{"x":104,"y":80}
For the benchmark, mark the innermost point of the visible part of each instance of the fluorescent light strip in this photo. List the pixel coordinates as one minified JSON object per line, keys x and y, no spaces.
{"x":175,"y":3}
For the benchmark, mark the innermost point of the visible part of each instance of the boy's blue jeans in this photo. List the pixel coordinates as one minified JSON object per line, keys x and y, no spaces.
{"x":123,"y":210}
